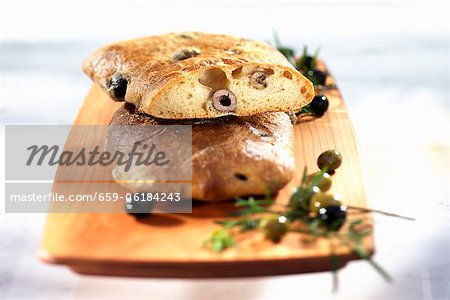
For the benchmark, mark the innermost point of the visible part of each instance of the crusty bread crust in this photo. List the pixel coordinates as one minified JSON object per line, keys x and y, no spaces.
{"x":173,"y":76}
{"x":231,"y":156}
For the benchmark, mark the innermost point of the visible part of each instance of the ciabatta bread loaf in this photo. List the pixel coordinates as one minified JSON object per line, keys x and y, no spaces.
{"x":231,"y":156}
{"x":199,"y":75}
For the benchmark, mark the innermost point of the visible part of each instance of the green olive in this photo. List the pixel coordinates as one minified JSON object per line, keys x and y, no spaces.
{"x":319,"y":200}
{"x":274,"y":228}
{"x":324,"y":183}
{"x":330,"y":159}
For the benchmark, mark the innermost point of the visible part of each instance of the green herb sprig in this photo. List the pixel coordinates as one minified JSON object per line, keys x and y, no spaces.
{"x":297,"y":216}
{"x":288,"y":52}
{"x":307,"y":65}
{"x":304,"y":63}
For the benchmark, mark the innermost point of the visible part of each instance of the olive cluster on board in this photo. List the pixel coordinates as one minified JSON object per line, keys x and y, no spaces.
{"x":323,"y":205}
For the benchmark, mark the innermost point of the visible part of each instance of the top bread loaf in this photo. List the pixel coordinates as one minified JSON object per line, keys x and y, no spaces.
{"x":199,"y":75}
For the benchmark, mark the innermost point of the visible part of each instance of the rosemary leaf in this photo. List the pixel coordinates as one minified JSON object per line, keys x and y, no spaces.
{"x":334,"y":265}
{"x":364,"y":255}
{"x":220,"y":240}
{"x":367,"y":210}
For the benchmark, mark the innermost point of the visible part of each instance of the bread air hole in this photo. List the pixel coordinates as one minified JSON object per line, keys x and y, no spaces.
{"x":287,"y":74}
{"x":240,"y":176}
{"x":269,"y":71}
{"x":214,"y":78}
{"x":237,"y":73}
{"x":303,"y":90}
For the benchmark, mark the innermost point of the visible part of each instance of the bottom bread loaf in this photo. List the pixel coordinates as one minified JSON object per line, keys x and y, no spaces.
{"x":231,"y":156}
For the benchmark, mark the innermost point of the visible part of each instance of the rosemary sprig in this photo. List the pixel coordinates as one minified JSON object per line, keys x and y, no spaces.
{"x":306,"y":111}
{"x":296,"y":216}
{"x":288,"y":52}
{"x":304,"y":63}
{"x":334,"y":265}
{"x":307,"y":62}
{"x":369,"y":210}
{"x":307,"y":65}
{"x":220,"y":239}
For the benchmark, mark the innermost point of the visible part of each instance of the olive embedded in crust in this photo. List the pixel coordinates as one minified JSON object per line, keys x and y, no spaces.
{"x":240,"y":176}
{"x":232,"y":51}
{"x":330,"y":159}
{"x":117,"y":87}
{"x":185,"y":53}
{"x":186,"y":36}
{"x":224,"y":100}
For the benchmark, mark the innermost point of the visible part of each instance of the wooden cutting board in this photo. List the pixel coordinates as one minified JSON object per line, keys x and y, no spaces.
{"x":170,"y":245}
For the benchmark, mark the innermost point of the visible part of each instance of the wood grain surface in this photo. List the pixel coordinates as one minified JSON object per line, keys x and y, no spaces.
{"x":170,"y":245}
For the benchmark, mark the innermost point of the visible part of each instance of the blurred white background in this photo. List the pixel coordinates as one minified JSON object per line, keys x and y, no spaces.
{"x":391,"y":62}
{"x":67,"y":20}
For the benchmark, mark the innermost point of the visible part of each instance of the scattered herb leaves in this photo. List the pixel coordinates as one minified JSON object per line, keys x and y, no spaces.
{"x":253,"y":214}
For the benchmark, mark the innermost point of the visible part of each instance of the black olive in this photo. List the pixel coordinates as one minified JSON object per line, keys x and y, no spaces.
{"x":308,"y":61}
{"x":319,"y":105}
{"x":317,"y":77}
{"x":185,"y":53}
{"x":316,"y":109}
{"x":224,"y":100}
{"x":186,"y":36}
{"x":139,"y":206}
{"x":333,"y":216}
{"x":117,"y":87}
{"x":240,"y":176}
